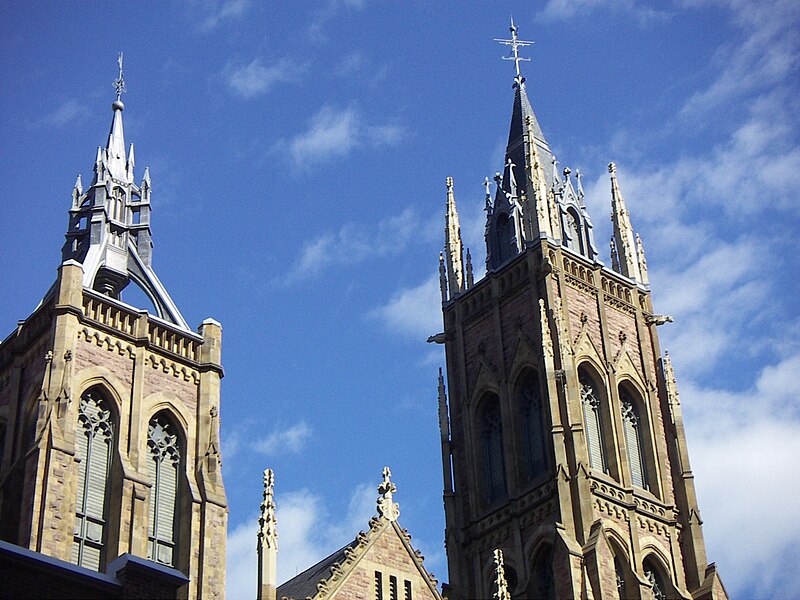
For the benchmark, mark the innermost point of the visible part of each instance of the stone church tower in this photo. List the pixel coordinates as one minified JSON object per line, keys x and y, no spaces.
{"x":109,"y":414}
{"x":562,"y":437}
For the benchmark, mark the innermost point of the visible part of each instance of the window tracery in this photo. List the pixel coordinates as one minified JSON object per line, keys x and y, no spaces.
{"x":164,"y":466}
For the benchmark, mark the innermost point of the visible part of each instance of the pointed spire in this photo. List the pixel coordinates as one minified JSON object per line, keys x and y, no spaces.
{"x":669,"y":379}
{"x":642,"y":261}
{"x":442,"y":277}
{"x":131,"y":163}
{"x":614,"y":255}
{"x":623,"y":232}
{"x":452,"y":244}
{"x":267,"y":542}
{"x":444,"y":423}
{"x":387,"y":508}
{"x":500,"y":584}
{"x":470,"y":277}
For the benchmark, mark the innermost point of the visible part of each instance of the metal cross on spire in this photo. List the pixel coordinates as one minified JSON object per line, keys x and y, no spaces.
{"x":119,"y":83}
{"x":515,"y":44}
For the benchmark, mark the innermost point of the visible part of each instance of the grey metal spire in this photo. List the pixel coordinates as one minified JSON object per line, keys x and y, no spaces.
{"x":109,"y":223}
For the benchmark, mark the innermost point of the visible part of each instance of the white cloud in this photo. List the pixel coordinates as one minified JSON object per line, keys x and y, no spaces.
{"x":335,"y":133}
{"x":562,"y":10}
{"x":285,"y":440}
{"x":69,"y":111}
{"x":743,"y":447}
{"x":211,"y":13}
{"x":415,"y":311}
{"x":355,"y":243}
{"x":307,"y":533}
{"x":256,"y":78}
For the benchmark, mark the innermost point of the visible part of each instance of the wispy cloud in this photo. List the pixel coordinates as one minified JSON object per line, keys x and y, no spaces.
{"x":66,"y":113}
{"x":561,"y":10}
{"x":211,"y":13}
{"x":414,"y":311}
{"x":335,"y":133}
{"x":291,"y":440}
{"x":330,"y":10}
{"x":308,"y":533}
{"x":354,"y":243}
{"x":256,"y":78}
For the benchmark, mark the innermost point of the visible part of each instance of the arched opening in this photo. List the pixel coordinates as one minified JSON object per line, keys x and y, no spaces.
{"x":491,"y":428}
{"x":573,"y":238}
{"x":94,"y":440}
{"x":635,"y":438}
{"x":506,"y":242}
{"x":657,"y":578}
{"x":164,"y":464}
{"x":543,"y":585}
{"x":592,"y":403}
{"x":534,"y":424}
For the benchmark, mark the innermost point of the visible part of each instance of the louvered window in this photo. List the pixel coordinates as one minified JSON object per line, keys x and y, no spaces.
{"x":533,"y":425}
{"x":164,"y":466}
{"x":594,"y":424}
{"x":632,"y":424}
{"x":493,"y":450}
{"x":93,"y":442}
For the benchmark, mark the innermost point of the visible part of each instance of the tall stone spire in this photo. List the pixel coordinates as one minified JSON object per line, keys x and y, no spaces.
{"x":109,"y":223}
{"x":267,"y":542}
{"x":624,"y":240}
{"x":452,"y":244}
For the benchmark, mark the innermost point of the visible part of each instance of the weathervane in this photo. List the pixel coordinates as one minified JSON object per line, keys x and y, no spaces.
{"x":119,"y":83}
{"x":515,"y":44}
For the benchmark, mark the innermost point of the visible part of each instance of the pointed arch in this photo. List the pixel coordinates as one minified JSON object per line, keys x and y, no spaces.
{"x":542,"y":581}
{"x":573,"y":231}
{"x":532,"y":406}
{"x":490,"y":426}
{"x":657,"y":576}
{"x":593,"y":406}
{"x":165,"y":459}
{"x":94,"y":442}
{"x":638,"y":437}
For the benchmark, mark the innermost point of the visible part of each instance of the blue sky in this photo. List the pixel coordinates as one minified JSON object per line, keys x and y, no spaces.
{"x":298,"y":153}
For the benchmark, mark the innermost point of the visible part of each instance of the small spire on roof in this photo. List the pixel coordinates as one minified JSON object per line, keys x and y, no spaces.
{"x":387,"y":508}
{"x":515,"y":44}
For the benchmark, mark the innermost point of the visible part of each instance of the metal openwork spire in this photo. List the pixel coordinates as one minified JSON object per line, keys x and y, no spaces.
{"x":119,"y":82}
{"x":515,"y":44}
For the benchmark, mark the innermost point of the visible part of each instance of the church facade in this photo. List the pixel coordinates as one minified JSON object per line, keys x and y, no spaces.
{"x":562,"y":437}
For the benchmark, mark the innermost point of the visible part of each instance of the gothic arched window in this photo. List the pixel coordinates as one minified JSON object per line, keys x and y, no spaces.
{"x":543,"y":584}
{"x":506,"y":238}
{"x":632,"y":424}
{"x":619,"y":571}
{"x":593,"y":419}
{"x":93,"y":442}
{"x":572,"y":230}
{"x":654,"y":575}
{"x":492,"y":438}
{"x":533,"y":425}
{"x":164,"y":464}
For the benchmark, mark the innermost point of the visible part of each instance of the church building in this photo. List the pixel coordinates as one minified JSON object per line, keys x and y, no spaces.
{"x":110,"y":482}
{"x":561,"y":431}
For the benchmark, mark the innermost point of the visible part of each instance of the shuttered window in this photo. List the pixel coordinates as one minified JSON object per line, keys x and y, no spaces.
{"x":594,"y":423}
{"x":163,"y":465}
{"x":533,"y":426}
{"x":493,"y":450}
{"x":633,"y":439}
{"x":93,"y":442}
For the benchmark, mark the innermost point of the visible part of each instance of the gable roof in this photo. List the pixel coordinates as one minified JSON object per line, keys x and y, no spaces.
{"x":324,"y":579}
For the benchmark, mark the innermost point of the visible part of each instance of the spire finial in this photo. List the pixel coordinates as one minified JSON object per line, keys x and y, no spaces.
{"x":387,"y":508}
{"x":119,"y":82}
{"x":515,"y":44}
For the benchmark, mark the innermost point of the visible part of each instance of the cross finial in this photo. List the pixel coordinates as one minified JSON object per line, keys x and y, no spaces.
{"x":515,"y":44}
{"x":119,"y":82}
